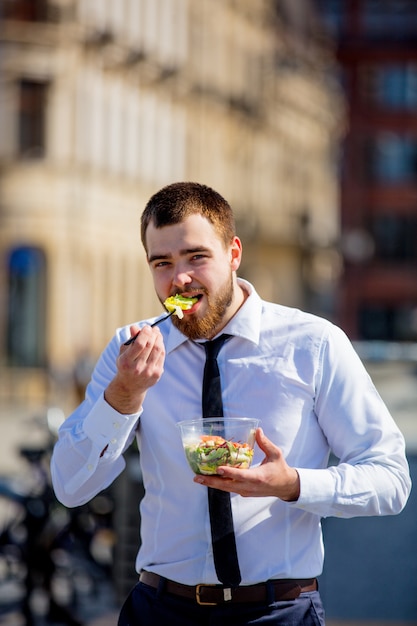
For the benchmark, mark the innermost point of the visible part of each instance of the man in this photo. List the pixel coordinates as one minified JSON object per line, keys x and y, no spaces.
{"x":296,"y":372}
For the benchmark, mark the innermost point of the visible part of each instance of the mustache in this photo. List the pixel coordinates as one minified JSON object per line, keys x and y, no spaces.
{"x":194,"y":291}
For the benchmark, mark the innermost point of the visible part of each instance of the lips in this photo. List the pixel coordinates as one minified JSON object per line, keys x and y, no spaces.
{"x":190,"y":294}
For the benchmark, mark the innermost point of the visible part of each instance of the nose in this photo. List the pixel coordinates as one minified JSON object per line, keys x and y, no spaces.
{"x":181,"y":277}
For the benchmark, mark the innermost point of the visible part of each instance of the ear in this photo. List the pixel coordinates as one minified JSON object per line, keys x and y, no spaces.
{"x":236,"y":253}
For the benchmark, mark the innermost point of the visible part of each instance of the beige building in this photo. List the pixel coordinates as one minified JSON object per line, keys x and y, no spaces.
{"x":105,"y":101}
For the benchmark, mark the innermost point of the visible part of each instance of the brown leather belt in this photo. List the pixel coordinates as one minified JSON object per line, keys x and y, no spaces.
{"x":210,"y":595}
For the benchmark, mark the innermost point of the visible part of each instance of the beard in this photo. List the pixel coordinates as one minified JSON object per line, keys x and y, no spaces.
{"x":196,"y":328}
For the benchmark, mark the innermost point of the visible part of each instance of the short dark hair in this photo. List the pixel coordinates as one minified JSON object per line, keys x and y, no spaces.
{"x":173,"y":203}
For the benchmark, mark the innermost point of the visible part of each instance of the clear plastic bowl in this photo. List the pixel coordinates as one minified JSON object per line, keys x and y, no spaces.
{"x":214,"y":441}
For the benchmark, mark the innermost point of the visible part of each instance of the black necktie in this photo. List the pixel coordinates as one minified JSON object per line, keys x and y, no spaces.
{"x":220,"y":508}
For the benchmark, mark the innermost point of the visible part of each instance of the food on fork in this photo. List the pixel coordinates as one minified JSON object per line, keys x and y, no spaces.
{"x":177,"y":304}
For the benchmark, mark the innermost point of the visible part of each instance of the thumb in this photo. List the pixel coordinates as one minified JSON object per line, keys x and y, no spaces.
{"x":134,"y":330}
{"x":266,"y":445}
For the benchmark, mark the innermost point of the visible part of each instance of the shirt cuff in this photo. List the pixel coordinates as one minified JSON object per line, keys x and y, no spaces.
{"x":108,"y":429}
{"x":108,"y":432}
{"x":317,"y":491}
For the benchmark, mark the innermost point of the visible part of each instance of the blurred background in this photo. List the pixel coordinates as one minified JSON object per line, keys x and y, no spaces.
{"x":303,"y":114}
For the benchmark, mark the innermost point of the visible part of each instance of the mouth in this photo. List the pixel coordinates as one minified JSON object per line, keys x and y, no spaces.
{"x":191,"y":294}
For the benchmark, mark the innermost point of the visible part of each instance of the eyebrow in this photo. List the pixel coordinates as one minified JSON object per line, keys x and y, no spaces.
{"x":183,"y":252}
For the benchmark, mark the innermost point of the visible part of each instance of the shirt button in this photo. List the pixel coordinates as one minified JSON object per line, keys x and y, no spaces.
{"x":90,"y":467}
{"x":113,"y":441}
{"x":116,"y":425}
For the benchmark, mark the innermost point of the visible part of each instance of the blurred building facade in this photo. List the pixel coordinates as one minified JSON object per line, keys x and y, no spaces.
{"x":368,"y":559}
{"x":377,"y":51}
{"x":105,"y":101}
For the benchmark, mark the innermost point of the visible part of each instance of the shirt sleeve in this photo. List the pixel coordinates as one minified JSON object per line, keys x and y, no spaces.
{"x":371,"y":476}
{"x":88,"y":455}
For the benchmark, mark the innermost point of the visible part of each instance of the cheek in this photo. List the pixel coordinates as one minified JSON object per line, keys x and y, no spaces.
{"x":161,"y":284}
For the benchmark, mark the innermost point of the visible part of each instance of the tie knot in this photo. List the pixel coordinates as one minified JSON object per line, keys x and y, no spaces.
{"x":213,"y":347}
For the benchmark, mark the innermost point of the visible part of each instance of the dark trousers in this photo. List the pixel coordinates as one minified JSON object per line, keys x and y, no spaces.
{"x":146,"y":606}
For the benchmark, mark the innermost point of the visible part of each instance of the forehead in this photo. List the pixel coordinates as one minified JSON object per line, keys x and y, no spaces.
{"x":194,"y":231}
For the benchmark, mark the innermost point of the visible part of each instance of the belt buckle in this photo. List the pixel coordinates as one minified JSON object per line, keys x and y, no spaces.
{"x":198,"y":598}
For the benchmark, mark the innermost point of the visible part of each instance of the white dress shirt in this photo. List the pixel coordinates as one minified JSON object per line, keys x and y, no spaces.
{"x":300,"y":376}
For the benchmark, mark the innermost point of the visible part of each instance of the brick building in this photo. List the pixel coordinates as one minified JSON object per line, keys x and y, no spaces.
{"x":377,"y":51}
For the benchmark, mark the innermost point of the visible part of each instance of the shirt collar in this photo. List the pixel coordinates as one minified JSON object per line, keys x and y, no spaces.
{"x":246,"y":323}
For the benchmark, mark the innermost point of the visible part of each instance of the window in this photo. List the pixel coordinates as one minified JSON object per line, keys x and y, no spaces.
{"x":334,"y":14}
{"x":32,"y":110}
{"x":392,"y":87}
{"x":24,"y":10}
{"x":389,"y":17}
{"x":395,"y":237}
{"x":391,"y":158}
{"x":388,"y":322}
{"x":378,"y":19}
{"x":26,"y":307}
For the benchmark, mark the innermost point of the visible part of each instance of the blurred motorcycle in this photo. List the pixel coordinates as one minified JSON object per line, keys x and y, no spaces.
{"x":55,"y":563}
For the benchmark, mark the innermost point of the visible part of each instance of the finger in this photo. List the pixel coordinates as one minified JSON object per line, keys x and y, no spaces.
{"x":141,"y":354}
{"x":226,"y":474}
{"x":234,"y":473}
{"x":144,"y":342}
{"x":134,"y":333}
{"x":155,"y":358}
{"x":242,"y":487}
{"x":215,"y":482}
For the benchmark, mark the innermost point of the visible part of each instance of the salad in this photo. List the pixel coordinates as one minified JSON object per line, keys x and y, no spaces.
{"x":212,"y":451}
{"x":177,"y":304}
